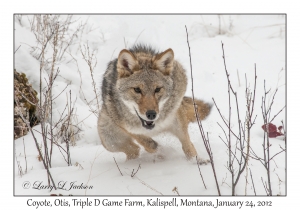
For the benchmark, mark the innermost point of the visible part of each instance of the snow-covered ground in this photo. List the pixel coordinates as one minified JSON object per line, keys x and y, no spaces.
{"x":248,"y":40}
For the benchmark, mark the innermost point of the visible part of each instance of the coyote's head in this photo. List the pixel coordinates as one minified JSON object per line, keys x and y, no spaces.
{"x":144,"y":83}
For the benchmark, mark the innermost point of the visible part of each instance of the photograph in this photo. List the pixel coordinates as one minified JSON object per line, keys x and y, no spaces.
{"x":150,"y":105}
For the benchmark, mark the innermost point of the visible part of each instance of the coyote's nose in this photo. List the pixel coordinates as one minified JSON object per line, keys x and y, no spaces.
{"x":151,"y":114}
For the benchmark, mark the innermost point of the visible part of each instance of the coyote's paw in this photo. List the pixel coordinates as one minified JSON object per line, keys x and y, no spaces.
{"x":131,"y":156}
{"x":202,"y":161}
{"x":150,"y":145}
{"x":153,"y":145}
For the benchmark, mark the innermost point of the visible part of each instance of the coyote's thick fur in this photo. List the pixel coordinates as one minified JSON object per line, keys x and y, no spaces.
{"x":143,"y":95}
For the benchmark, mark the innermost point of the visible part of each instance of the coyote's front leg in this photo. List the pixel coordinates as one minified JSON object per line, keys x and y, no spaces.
{"x":115,"y":139}
{"x":148,"y":143}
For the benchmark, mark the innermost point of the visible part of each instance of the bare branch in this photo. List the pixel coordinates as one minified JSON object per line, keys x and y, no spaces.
{"x":132,"y":174}
{"x":200,"y":172}
{"x":252,"y":182}
{"x":205,"y":140}
{"x":17,"y":49}
{"x":276,"y":115}
{"x":118,"y":166}
{"x":36,"y":143}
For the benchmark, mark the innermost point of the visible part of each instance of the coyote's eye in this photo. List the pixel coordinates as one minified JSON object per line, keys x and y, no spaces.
{"x":157,"y":90}
{"x":137,"y":90}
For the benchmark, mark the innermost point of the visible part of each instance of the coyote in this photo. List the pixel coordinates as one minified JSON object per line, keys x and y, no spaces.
{"x":143,"y":95}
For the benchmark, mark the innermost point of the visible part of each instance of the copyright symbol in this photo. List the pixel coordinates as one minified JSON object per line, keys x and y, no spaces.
{"x":26,"y":185}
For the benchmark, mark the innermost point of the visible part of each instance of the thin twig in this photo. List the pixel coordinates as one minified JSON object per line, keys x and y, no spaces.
{"x":118,"y":166}
{"x":283,"y":150}
{"x":144,"y":183}
{"x":224,"y":119}
{"x":265,"y":187}
{"x":175,"y":189}
{"x":96,"y":156}
{"x":238,"y":76}
{"x":205,"y":141}
{"x":25,"y":156}
{"x":138,"y":36}
{"x":89,"y":59}
{"x":230,"y":161}
{"x":200,"y":172}
{"x":223,"y":181}
{"x":17,"y":49}
{"x":276,"y":114}
{"x":132,"y":174}
{"x":252,"y":182}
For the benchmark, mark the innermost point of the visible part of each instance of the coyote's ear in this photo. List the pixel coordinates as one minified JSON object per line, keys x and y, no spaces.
{"x":164,"y":61}
{"x":127,"y":63}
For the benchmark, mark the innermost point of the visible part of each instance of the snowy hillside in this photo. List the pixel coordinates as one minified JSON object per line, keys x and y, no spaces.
{"x":248,"y":40}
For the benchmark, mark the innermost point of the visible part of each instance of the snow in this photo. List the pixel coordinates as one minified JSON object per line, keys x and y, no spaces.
{"x":249,"y":40}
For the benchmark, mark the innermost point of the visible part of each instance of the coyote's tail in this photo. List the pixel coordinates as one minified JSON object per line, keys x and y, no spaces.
{"x":203,"y":109}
